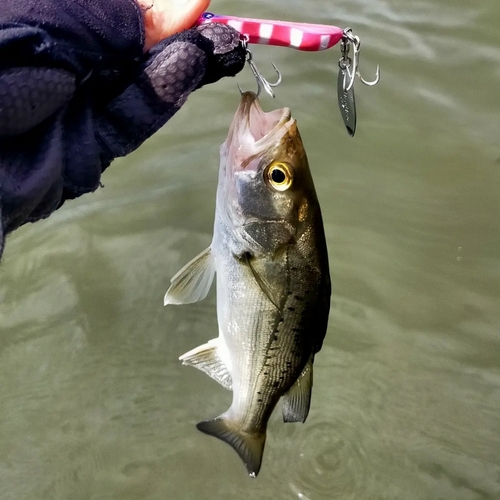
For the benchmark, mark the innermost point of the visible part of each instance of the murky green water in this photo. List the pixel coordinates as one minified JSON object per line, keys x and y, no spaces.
{"x":406,"y":405}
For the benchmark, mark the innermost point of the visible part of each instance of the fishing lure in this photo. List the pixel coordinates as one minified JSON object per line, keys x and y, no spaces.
{"x":301,"y":36}
{"x":306,"y":37}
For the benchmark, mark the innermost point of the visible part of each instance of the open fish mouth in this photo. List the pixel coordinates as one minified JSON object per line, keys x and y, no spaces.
{"x":259,"y":124}
{"x":253,"y":130}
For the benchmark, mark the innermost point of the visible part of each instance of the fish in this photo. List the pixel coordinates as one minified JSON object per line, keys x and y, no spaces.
{"x":270,"y":259}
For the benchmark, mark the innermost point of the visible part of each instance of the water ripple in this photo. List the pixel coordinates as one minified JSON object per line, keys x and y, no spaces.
{"x":332,"y":463}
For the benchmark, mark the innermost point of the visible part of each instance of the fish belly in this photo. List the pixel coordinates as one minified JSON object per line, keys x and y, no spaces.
{"x":261,"y":342}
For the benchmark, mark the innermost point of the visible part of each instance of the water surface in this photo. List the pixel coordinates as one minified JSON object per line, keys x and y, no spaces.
{"x":94,"y":404}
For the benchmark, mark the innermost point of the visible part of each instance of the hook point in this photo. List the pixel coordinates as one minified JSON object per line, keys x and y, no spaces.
{"x":262,"y":83}
{"x":374,"y":82}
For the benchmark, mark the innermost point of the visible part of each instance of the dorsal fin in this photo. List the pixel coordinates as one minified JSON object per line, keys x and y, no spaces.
{"x":297,"y":401}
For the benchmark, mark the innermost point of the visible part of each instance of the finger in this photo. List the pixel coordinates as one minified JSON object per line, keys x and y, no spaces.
{"x":167,"y":17}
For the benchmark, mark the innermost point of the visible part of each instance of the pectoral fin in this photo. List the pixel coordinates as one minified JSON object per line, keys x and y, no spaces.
{"x":263,"y":284}
{"x":297,"y":400}
{"x":192,"y":283}
{"x":206,"y":358}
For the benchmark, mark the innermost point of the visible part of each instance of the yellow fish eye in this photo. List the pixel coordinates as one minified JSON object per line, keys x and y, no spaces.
{"x":279,"y":176}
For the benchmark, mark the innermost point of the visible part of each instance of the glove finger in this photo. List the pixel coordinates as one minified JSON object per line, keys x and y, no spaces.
{"x":224,"y":38}
{"x":228,"y":54}
{"x":168,"y":77}
{"x":171,"y":71}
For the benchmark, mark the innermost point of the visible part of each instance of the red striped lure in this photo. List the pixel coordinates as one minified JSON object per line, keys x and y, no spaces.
{"x":301,"y":36}
{"x":306,"y":37}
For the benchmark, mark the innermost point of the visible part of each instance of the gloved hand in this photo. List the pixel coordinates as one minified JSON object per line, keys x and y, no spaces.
{"x":76,"y":91}
{"x":172,"y":70}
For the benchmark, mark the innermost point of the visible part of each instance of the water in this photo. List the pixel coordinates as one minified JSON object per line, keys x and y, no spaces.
{"x":93,"y":402}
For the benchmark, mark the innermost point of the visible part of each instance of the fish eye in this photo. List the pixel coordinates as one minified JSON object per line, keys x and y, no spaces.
{"x":279,"y":176}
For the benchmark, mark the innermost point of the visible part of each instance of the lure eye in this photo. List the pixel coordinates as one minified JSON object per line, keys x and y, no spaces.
{"x":280,"y":176}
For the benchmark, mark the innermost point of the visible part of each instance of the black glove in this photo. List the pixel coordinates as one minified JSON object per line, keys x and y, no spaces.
{"x":173,"y":69}
{"x":76,"y":92}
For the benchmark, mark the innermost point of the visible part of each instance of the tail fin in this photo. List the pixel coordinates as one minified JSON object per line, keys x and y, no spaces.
{"x":249,"y":447}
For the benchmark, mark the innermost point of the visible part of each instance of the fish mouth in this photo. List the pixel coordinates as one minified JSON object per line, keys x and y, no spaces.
{"x":253,"y":130}
{"x":259,"y":124}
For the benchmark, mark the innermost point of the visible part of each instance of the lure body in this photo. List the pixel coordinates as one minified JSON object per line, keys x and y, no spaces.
{"x":301,"y":36}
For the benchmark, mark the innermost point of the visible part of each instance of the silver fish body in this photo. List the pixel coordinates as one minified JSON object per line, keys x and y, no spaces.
{"x":273,"y":285}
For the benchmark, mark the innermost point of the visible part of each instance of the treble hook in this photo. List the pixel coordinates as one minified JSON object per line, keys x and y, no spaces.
{"x":345,"y":61}
{"x":262,"y":83}
{"x":372,"y":83}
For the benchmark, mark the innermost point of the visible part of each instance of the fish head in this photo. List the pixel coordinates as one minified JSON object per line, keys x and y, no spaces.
{"x":265,"y":190}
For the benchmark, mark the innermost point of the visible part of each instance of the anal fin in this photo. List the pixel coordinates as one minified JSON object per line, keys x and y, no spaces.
{"x":297,"y":401}
{"x":206,"y":358}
